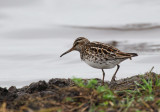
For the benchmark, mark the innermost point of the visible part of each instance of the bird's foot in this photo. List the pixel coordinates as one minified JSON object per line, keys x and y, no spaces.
{"x":102,"y":84}
{"x":112,"y":83}
{"x":113,"y":80}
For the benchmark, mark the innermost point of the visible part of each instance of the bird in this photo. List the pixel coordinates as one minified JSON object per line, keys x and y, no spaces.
{"x":99,"y":55}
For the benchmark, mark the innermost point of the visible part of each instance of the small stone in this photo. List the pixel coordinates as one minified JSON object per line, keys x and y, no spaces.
{"x":12,"y":89}
{"x":37,"y":87}
{"x":59,"y":82}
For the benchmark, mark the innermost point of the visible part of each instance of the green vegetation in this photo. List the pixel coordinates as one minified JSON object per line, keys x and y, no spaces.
{"x":142,"y":95}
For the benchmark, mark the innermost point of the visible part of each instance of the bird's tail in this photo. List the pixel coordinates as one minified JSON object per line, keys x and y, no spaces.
{"x":126,"y":55}
{"x":133,"y":54}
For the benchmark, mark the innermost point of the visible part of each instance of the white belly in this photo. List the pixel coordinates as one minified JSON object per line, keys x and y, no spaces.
{"x":105,"y":65}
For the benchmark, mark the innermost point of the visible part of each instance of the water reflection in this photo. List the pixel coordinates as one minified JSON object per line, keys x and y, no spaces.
{"x":15,"y":3}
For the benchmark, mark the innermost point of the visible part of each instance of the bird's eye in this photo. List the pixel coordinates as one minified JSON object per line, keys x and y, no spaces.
{"x":76,"y":43}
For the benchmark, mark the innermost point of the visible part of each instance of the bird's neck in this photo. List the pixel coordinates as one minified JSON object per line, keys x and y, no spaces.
{"x":82,"y":51}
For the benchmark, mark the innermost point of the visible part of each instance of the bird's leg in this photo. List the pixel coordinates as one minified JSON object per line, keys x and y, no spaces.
{"x":103,"y":76}
{"x":114,"y":76}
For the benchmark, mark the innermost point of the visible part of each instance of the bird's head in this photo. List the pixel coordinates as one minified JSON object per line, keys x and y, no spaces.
{"x":78,"y":44}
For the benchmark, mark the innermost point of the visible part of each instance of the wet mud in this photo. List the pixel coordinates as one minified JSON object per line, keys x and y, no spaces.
{"x":52,"y":95}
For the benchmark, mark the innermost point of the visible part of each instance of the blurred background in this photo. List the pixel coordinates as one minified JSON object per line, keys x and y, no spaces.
{"x":34,"y":33}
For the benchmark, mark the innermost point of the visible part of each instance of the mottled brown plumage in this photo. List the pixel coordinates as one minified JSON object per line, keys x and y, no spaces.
{"x":107,"y":51}
{"x":99,"y":55}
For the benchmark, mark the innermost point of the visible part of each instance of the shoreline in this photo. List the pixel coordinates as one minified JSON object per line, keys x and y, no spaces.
{"x":44,"y":95}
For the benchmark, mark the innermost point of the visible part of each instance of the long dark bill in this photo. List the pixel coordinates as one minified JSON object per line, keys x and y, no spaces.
{"x":67,"y":51}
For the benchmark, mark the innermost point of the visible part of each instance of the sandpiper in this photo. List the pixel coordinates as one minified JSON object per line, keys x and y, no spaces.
{"x":100,"y":55}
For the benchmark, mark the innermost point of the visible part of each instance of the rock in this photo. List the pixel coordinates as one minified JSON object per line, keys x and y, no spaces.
{"x":36,"y":87}
{"x":60,"y":82}
{"x":5,"y":95}
{"x":12,"y":89}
